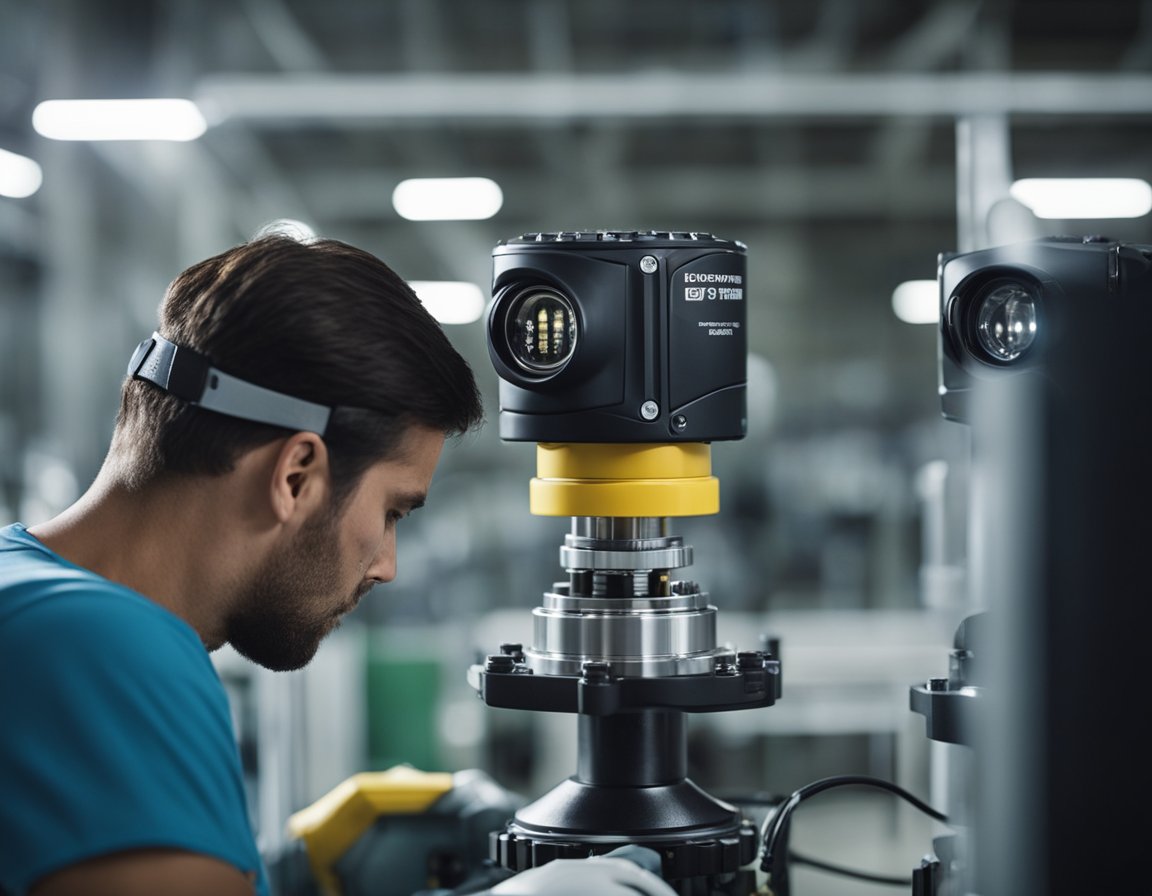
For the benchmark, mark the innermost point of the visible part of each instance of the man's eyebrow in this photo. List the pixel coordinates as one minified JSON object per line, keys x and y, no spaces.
{"x":410,"y":501}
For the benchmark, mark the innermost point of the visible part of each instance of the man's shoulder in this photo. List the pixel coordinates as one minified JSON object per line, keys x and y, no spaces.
{"x":40,"y":591}
{"x":118,"y":733}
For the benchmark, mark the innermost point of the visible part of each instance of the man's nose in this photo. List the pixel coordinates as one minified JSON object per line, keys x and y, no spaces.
{"x":383,"y":567}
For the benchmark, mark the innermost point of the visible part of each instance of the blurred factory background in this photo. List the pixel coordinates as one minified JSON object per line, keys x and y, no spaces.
{"x":846,"y":143}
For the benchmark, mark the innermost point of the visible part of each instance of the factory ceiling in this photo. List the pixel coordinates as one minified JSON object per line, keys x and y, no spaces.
{"x":847,"y":143}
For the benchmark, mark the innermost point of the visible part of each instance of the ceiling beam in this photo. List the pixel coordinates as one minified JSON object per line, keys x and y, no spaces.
{"x":557,"y":98}
{"x":278,"y":29}
{"x":768,"y":193}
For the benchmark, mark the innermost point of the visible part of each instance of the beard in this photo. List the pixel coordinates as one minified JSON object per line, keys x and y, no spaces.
{"x":290,"y":605}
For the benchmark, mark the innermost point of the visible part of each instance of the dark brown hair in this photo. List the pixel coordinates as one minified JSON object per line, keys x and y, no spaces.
{"x":318,"y":320}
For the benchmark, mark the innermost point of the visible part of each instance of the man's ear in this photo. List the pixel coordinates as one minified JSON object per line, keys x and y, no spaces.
{"x":301,"y":477}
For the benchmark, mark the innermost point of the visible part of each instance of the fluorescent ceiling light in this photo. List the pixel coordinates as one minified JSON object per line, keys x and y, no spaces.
{"x":917,"y":302}
{"x":447,"y":199}
{"x":450,"y":301}
{"x":158,"y":119}
{"x":1084,"y":197}
{"x":19,"y":176}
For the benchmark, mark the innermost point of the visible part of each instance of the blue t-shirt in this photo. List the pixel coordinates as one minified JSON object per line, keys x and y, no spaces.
{"x":115,"y":731}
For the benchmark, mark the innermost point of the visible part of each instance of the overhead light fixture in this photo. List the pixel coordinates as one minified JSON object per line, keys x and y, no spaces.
{"x":447,"y":198}
{"x":450,"y":301}
{"x":19,"y":176}
{"x":150,"y":119}
{"x":917,"y":302}
{"x":1084,"y":197}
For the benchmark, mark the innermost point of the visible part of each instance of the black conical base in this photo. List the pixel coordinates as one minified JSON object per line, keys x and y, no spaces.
{"x":577,"y":809}
{"x":697,"y":836}
{"x":630,"y":789}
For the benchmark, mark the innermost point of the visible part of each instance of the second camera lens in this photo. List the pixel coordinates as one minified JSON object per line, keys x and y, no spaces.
{"x":1006,"y":321}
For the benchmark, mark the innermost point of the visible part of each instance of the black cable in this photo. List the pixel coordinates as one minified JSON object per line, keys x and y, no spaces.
{"x":868,"y":876}
{"x":776,"y":827}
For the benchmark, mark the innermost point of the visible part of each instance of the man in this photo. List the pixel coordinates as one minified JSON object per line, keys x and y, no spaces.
{"x":290,"y":410}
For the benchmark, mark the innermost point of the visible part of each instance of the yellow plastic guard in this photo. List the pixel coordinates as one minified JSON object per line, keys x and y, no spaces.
{"x":339,"y":818}
{"x":578,"y":479}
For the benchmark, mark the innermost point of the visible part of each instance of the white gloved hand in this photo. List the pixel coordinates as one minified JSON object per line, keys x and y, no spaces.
{"x":595,"y":876}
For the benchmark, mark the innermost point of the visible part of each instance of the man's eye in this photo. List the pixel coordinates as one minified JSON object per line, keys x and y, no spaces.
{"x":394,"y":516}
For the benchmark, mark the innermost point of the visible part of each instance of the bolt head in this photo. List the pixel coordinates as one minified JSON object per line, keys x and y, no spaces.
{"x":596,"y":672}
{"x":748,"y":660}
{"x":499,"y":663}
{"x":648,"y":264}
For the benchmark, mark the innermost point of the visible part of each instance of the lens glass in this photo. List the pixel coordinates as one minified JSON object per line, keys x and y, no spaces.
{"x":1006,"y":321}
{"x":541,"y":330}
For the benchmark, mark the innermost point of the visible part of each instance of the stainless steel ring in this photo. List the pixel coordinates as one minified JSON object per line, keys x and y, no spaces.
{"x":567,"y":603}
{"x":668,"y":558}
{"x":624,"y":635}
{"x":632,"y":667}
{"x":602,"y":528}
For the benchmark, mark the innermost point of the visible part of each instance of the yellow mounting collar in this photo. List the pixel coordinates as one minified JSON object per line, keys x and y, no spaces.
{"x":577,"y":479}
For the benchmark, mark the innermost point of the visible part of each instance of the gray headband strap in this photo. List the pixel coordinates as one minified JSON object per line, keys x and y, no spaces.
{"x":190,"y":376}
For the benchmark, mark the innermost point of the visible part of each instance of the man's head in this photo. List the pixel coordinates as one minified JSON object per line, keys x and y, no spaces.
{"x":330,"y":324}
{"x":318,"y":320}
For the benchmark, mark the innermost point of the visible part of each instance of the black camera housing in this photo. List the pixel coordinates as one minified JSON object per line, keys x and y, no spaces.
{"x":650,"y":337}
{"x":1083,"y":287}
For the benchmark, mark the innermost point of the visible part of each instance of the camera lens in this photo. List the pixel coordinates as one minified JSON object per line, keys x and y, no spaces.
{"x":1006,"y":320}
{"x":541,"y":329}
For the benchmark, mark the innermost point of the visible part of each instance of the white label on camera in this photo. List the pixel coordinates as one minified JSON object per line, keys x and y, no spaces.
{"x":720,"y":327}
{"x":713,"y":294}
